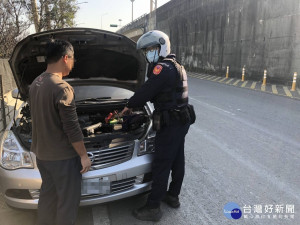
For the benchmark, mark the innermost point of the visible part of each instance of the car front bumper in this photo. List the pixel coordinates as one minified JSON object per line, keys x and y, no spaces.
{"x":131,"y":172}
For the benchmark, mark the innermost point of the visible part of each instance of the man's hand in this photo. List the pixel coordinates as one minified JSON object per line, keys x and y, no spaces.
{"x":81,"y":151}
{"x":86,"y":164}
{"x":126,"y":111}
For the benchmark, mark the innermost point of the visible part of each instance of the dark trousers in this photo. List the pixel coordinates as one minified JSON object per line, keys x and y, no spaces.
{"x":60,"y":191}
{"x":168,"y":156}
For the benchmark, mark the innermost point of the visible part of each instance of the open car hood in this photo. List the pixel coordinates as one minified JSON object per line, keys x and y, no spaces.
{"x":102,"y":57}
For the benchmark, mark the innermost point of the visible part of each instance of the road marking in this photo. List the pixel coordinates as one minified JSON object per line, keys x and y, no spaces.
{"x":253,"y":85}
{"x":205,"y":76}
{"x":211,"y":77}
{"x":244,"y":84}
{"x":235,"y":83}
{"x":212,"y":106}
{"x":287,"y":92}
{"x":194,"y":74}
{"x":227,"y":82}
{"x":199,"y":76}
{"x":191,"y":75}
{"x":274,"y":89}
{"x":222,"y":79}
{"x":218,"y":78}
{"x":100,"y":215}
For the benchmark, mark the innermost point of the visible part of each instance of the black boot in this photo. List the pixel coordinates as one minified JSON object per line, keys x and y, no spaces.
{"x":171,"y":200}
{"x":147,"y":214}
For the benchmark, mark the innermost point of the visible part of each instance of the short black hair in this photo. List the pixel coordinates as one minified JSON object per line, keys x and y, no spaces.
{"x":58,"y":48}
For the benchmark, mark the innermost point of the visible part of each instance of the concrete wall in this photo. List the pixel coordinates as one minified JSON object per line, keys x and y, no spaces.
{"x":208,"y":35}
{"x":255,"y":34}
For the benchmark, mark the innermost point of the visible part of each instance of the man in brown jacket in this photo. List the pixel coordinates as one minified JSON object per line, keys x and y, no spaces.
{"x":57,"y":139}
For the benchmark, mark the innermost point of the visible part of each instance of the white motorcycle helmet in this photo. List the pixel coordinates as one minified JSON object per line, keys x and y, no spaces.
{"x":155,"y":38}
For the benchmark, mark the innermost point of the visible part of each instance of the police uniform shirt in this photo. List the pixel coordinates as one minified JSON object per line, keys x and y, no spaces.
{"x":163,"y":76}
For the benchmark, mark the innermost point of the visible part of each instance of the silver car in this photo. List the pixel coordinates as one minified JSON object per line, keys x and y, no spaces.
{"x":108,"y":69}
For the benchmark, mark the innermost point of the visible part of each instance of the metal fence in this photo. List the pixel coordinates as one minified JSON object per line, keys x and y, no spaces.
{"x":2,"y":107}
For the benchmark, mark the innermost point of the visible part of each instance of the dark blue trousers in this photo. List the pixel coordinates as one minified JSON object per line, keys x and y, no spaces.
{"x":60,"y":191}
{"x":168,"y":156}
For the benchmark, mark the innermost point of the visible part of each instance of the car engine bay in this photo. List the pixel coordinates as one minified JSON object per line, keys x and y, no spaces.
{"x":101,"y":124}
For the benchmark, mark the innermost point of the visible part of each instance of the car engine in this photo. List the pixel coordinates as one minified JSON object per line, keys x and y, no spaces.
{"x":100,"y":125}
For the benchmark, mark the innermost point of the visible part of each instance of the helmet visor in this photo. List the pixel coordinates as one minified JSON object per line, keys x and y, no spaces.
{"x":146,"y":41}
{"x":150,"y":49}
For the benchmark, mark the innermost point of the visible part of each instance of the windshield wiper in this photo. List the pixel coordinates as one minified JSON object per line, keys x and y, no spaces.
{"x":94,"y":99}
{"x":102,"y":99}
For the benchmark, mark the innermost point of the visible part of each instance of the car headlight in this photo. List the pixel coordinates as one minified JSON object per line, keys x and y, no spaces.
{"x":147,"y":145}
{"x":12,"y":155}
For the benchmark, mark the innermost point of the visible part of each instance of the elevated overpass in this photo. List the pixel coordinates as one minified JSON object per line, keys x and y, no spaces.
{"x":136,"y":28}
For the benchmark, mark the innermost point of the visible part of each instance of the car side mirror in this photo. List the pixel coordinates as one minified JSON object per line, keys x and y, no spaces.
{"x":15,"y":93}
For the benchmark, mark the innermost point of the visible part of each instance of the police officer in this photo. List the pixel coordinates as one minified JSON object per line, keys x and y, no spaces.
{"x":167,"y":89}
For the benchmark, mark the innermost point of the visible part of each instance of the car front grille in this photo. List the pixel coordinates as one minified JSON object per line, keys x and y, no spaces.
{"x":105,"y":157}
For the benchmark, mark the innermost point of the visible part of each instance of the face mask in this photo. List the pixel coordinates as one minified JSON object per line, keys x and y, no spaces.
{"x":152,"y":56}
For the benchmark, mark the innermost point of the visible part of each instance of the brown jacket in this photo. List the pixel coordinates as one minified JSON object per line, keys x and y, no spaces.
{"x":54,"y":120}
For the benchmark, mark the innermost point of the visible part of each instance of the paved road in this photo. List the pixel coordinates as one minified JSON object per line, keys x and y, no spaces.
{"x":244,"y":148}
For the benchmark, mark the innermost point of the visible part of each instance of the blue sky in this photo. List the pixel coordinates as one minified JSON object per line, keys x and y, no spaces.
{"x":91,"y":13}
